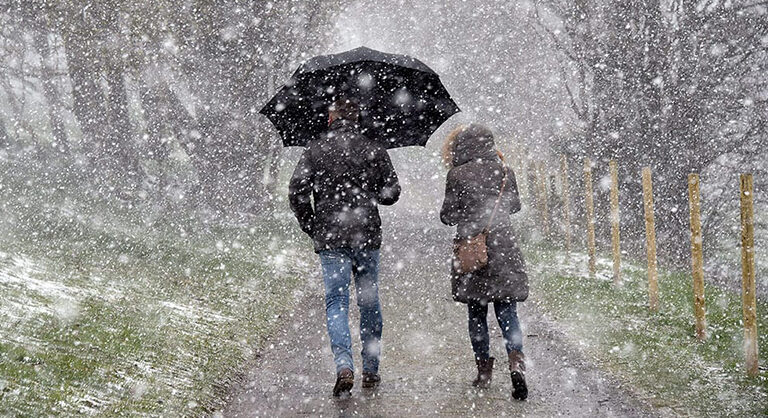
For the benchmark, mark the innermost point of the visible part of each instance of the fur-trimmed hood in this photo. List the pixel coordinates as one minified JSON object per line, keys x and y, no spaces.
{"x":469,"y":143}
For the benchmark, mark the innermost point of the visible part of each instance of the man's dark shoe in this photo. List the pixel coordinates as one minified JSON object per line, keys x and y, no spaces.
{"x":345,"y":379}
{"x":517,"y":373}
{"x":371,"y":380}
{"x":484,"y":373}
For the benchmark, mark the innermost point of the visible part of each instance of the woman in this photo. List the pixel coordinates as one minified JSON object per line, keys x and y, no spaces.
{"x":477,"y":180}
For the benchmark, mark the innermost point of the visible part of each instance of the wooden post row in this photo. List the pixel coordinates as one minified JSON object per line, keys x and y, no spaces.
{"x":590,"y":216}
{"x":699,"y":310}
{"x":615,"y":245}
{"x":650,"y":236}
{"x":748,"y":275}
{"x":566,"y":203}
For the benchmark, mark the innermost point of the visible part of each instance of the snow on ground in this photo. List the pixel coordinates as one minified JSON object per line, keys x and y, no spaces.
{"x":28,"y":292}
{"x":614,"y":326}
{"x":142,"y":343}
{"x":194,"y":313}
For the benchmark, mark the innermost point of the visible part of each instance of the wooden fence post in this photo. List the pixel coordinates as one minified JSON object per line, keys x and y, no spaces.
{"x":543,"y":204}
{"x":650,"y":236}
{"x":748,"y":275}
{"x":699,"y":309}
{"x":566,"y":203}
{"x":588,"y":199}
{"x":615,"y":246}
{"x":521,"y":175}
{"x":533,"y":189}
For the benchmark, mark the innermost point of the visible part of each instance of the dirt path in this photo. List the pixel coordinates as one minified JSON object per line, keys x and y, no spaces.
{"x":427,"y":361}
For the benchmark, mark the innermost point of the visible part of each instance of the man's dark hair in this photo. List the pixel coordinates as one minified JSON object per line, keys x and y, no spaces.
{"x":345,"y":108}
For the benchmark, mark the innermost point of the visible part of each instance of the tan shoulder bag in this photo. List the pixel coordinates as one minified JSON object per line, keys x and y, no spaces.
{"x":471,"y":254}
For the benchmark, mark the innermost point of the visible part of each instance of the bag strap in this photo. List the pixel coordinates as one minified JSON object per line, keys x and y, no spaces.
{"x":498,"y":199}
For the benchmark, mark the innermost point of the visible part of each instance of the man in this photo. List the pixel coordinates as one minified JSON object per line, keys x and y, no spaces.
{"x":347,"y":175}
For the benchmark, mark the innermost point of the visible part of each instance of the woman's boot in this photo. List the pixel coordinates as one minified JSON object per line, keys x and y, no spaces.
{"x":517,"y":372}
{"x":484,"y":372}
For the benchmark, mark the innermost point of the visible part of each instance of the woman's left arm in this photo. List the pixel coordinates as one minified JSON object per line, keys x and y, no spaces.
{"x":450,"y":212}
{"x":516,"y":206}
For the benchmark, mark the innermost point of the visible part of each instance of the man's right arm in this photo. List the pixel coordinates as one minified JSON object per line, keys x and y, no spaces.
{"x":389,"y":191}
{"x":300,"y":193}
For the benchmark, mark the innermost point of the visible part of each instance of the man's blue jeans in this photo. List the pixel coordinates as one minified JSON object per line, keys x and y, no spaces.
{"x":339,"y":266}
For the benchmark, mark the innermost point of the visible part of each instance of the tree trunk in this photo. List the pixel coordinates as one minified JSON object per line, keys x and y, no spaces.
{"x":120,"y":136}
{"x":51,"y":94}
{"x":272,"y":190}
{"x":151,"y":98}
{"x":88,"y":104}
{"x":5,"y":140}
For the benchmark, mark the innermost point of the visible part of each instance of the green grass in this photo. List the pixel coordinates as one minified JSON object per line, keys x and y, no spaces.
{"x":102,"y":313}
{"x":141,"y":339}
{"x":657,"y":353}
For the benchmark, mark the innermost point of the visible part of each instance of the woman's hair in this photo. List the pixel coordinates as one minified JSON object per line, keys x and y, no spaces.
{"x":450,"y":144}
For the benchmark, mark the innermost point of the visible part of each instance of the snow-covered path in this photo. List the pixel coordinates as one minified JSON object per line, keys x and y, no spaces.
{"x":427,"y":361}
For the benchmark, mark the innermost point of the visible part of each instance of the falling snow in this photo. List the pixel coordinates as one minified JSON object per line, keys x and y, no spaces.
{"x":151,"y":263}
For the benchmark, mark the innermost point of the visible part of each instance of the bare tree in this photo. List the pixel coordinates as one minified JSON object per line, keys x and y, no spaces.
{"x":666,"y":84}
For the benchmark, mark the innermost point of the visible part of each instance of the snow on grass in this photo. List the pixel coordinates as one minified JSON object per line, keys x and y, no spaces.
{"x":20,"y":272}
{"x":26,"y":296}
{"x":576,"y":264}
{"x":195,"y":313}
{"x":655,"y":352}
{"x":134,"y":327}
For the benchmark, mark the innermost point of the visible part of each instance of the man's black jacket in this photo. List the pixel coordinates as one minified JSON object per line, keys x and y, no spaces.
{"x":347,"y":175}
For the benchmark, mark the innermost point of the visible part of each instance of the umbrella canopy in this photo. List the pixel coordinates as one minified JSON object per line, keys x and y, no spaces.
{"x":402,"y":100}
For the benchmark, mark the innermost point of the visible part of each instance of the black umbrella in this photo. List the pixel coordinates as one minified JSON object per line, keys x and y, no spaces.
{"x":403,"y":101}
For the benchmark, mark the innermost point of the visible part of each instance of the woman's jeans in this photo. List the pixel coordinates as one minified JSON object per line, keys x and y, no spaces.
{"x":506,"y":314}
{"x":338,"y":268}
